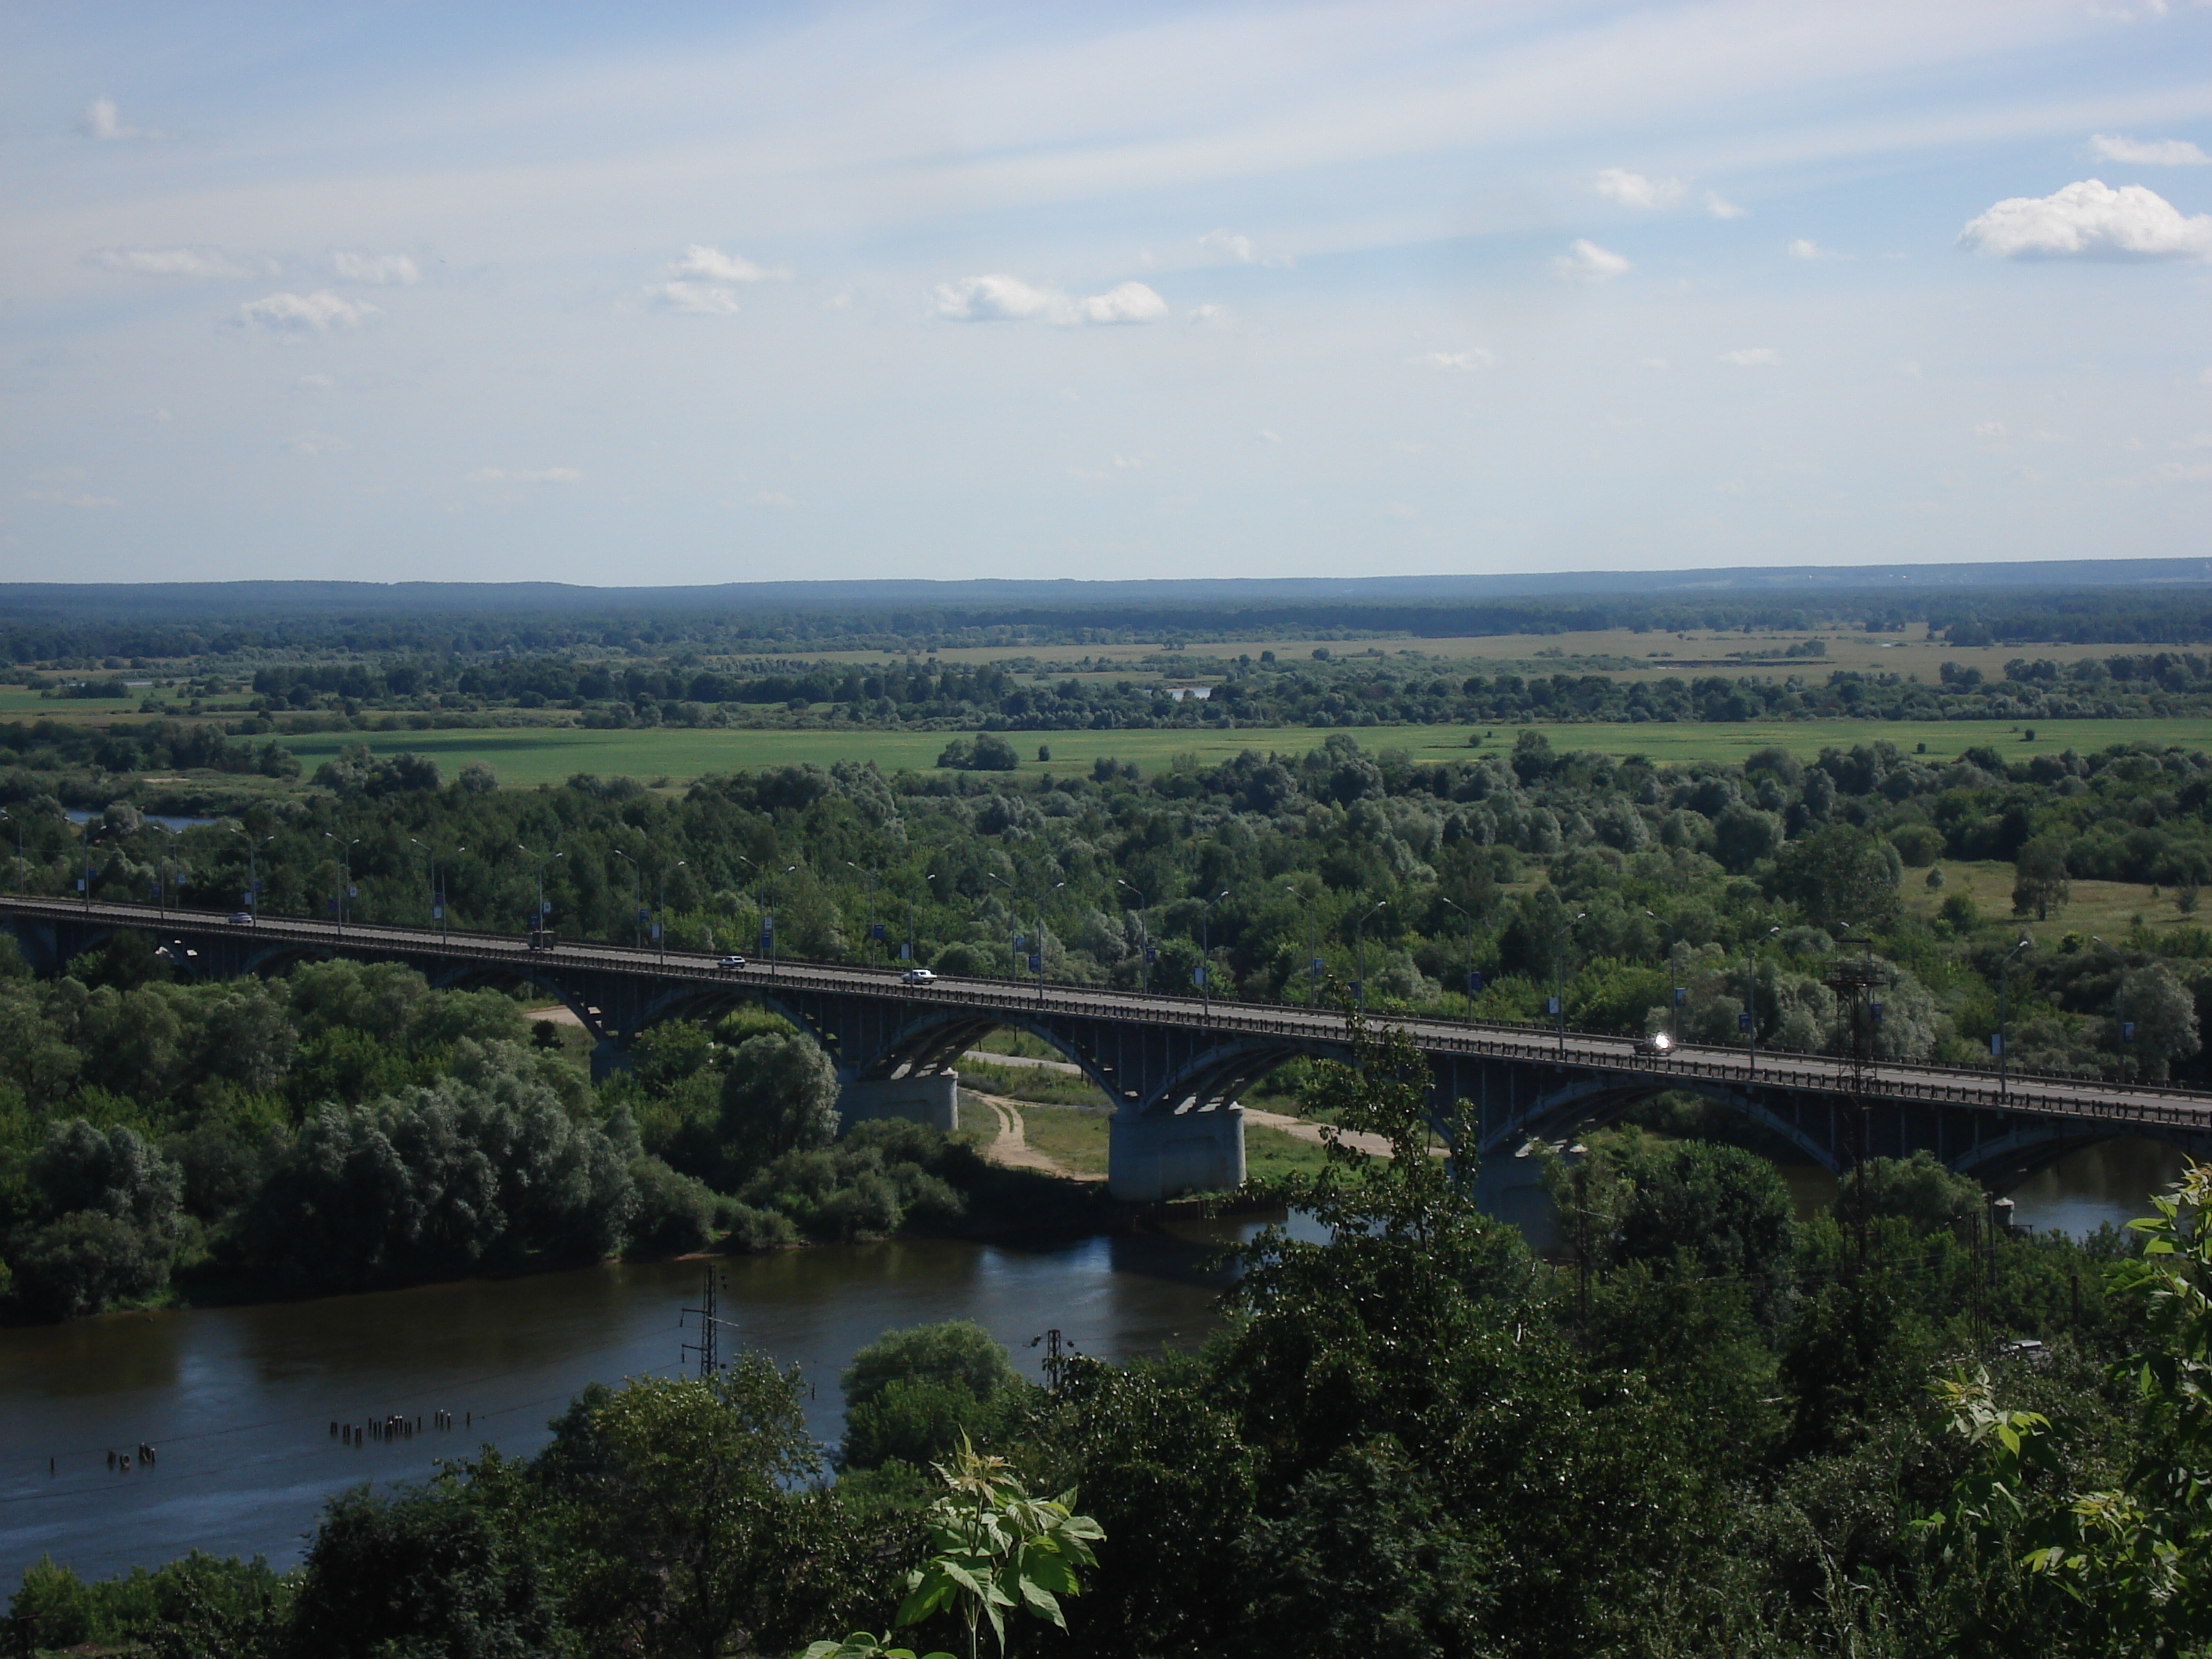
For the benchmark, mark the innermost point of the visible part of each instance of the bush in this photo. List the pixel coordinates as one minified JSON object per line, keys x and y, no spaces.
{"x":911,"y":1394}
{"x":87,"y":1260}
{"x":675,"y":1212}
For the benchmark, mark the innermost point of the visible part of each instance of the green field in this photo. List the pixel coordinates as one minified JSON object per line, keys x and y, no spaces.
{"x":526,"y":756}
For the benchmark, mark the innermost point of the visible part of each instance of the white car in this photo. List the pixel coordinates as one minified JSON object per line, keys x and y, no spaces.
{"x":918,"y":976}
{"x":731,"y":962}
{"x":241,"y":917}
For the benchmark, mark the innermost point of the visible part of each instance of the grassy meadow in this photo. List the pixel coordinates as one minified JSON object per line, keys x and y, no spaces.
{"x":526,"y":757}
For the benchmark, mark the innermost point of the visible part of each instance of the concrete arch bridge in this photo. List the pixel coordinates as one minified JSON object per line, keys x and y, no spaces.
{"x":1176,"y":1066}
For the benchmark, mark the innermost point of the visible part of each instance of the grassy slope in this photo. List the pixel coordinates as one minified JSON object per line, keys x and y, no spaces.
{"x":527,"y":757}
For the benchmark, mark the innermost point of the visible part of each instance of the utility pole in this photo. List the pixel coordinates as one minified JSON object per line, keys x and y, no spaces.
{"x":875,"y":927}
{"x":2127,"y":1032}
{"x":252,"y":869}
{"x":1360,"y":955}
{"x":1468,"y":966}
{"x":345,"y":877}
{"x":708,"y":1347}
{"x":636,"y":898}
{"x":1559,"y":979}
{"x":661,"y":910}
{"x":1144,"y":938}
{"x":1055,"y":1359}
{"x":1205,"y":951}
{"x":1751,"y":1000}
{"x":438,"y":883}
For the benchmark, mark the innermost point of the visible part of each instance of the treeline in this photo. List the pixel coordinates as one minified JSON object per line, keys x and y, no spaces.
{"x":1312,"y":693}
{"x":1622,"y":879}
{"x":345,"y":1127}
{"x":121,"y":626}
{"x":1893,"y":1430}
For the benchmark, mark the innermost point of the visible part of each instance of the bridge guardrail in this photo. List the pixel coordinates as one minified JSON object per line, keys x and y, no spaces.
{"x":2035,"y":1093}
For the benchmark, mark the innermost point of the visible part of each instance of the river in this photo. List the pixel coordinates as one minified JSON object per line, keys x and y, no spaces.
{"x":238,"y":1402}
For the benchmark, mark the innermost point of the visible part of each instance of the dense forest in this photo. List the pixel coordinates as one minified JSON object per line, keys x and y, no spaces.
{"x":1892,"y":1432}
{"x":59,"y":628}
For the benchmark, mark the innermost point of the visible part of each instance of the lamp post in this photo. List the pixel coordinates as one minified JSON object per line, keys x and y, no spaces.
{"x":437,"y":881}
{"x":18,"y":823}
{"x":874,"y":930}
{"x":636,"y":898}
{"x":537,"y":917}
{"x":1205,"y":951}
{"x":1014,"y":925}
{"x":345,"y":875}
{"x":661,"y":910}
{"x":1560,"y":978}
{"x":1036,"y":957}
{"x":1360,"y":955}
{"x":1143,"y":939}
{"x":1674,"y":991}
{"x":252,"y":872}
{"x":1467,"y":975}
{"x":767,"y":887}
{"x":1751,"y":998}
{"x":2004,"y":976}
{"x":1313,"y":960}
{"x":2120,"y":1007}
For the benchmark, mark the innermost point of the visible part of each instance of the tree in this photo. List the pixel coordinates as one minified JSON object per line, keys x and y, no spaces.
{"x":2039,"y":878}
{"x":1742,"y":835}
{"x":911,"y":1395}
{"x":680,"y":1501}
{"x":779,"y":1095}
{"x":1840,"y":875}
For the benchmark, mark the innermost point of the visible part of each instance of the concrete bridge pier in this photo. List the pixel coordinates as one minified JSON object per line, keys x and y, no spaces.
{"x":1157,"y":1155}
{"x":927,"y":1098}
{"x":1510,"y":1188}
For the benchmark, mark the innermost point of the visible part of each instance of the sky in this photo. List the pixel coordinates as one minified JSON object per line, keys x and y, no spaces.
{"x":658,"y":294}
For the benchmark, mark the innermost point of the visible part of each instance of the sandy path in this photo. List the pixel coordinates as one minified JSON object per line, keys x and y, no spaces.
{"x":559,"y":1014}
{"x":1011,"y":1147}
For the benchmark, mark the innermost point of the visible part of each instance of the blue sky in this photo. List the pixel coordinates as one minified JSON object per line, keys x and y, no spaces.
{"x":662,"y":294}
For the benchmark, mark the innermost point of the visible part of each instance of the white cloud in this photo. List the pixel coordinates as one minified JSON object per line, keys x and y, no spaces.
{"x":1229,"y":244}
{"x":86,"y":503}
{"x":1267,"y":436}
{"x":1401,"y":510}
{"x":1633,"y":190}
{"x":1003,"y":298}
{"x":1209,"y":312}
{"x":1721,"y":208}
{"x":100,"y":120}
{"x":552,"y":475}
{"x":1586,"y":261}
{"x":1752,"y":357}
{"x":1461,"y":362}
{"x":307,"y":314}
{"x":1989,"y":428}
{"x":316,"y":382}
{"x":2165,"y":472}
{"x":2091,"y":219}
{"x":773,"y":498}
{"x":1909,"y":368}
{"x":172,"y":262}
{"x":1125,"y":302}
{"x":1652,"y":362}
{"x":716,"y":267}
{"x":695,"y":299}
{"x":316,"y":443}
{"x":383,"y":269}
{"x":2152,"y":153}
{"x":1806,"y":248}
{"x":2194,"y":440}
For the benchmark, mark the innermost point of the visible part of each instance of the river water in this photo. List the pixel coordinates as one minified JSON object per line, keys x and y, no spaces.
{"x":238,"y":1402}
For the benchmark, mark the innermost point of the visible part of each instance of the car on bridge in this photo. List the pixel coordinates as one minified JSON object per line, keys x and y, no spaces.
{"x":731,"y":962}
{"x":918,"y":976}
{"x":241,"y":917}
{"x":1658,"y":1045}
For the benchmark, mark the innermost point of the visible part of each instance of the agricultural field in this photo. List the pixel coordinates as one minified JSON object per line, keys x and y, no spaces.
{"x":527,"y":756}
{"x":2107,"y":909}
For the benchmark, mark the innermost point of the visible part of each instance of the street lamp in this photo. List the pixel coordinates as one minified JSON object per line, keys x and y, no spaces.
{"x":1206,"y":950}
{"x":18,"y":823}
{"x":1469,"y":965}
{"x":1036,"y":957}
{"x":875,"y":929}
{"x":2004,"y":974}
{"x":2120,"y":1008}
{"x":345,"y":874}
{"x":437,"y":882}
{"x":1143,"y":939}
{"x":660,"y":911}
{"x":767,"y":910}
{"x":1674,"y":991}
{"x":537,"y":917}
{"x":1360,"y":955}
{"x":1751,"y":998}
{"x":1560,"y":978}
{"x":1313,"y":957}
{"x":252,"y":872}
{"x":636,"y":898}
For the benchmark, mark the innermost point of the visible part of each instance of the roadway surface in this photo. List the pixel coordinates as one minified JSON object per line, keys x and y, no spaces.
{"x":1296,"y":1027}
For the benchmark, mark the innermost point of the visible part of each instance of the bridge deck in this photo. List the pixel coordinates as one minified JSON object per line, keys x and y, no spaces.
{"x":1296,"y":1027}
